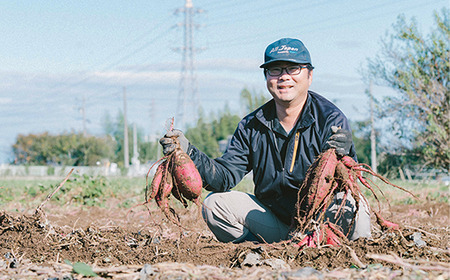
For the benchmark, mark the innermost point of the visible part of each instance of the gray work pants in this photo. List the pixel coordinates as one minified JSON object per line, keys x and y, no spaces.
{"x":235,"y":216}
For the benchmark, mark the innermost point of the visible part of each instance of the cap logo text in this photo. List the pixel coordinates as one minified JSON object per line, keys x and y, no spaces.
{"x":284,"y":49}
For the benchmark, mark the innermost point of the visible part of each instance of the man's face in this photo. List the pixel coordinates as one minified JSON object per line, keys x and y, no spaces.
{"x":288,"y":89}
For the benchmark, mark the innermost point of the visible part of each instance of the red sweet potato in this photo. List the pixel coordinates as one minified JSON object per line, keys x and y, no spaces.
{"x":186,"y":177}
{"x":176,"y":193}
{"x":166,"y":186}
{"x":327,"y":175}
{"x":317,"y":187}
{"x":331,"y":238}
{"x":309,"y":240}
{"x":385,"y":224}
{"x":178,"y":176}
{"x":322,"y":183}
{"x":156,"y":182}
{"x":162,"y":198}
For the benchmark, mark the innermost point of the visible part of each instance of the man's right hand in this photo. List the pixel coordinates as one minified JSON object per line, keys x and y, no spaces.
{"x":170,"y":141}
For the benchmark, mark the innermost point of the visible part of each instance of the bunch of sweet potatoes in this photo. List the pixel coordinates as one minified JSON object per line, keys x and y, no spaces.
{"x":176,"y":175}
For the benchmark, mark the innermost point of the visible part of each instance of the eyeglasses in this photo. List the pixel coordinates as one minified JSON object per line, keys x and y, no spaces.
{"x":290,"y":70}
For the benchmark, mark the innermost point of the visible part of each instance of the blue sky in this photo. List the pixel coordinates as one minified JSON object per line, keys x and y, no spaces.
{"x":55,"y":54}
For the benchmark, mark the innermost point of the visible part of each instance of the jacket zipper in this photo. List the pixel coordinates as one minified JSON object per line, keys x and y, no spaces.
{"x":297,"y":136}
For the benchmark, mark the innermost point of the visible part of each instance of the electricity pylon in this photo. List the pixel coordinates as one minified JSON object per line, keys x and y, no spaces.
{"x":187,"y":103}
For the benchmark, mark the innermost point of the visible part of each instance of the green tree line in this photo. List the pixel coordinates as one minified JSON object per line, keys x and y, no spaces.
{"x":65,"y":149}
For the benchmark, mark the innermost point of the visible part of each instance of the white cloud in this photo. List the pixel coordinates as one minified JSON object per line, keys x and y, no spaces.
{"x":233,"y":64}
{"x":5,"y":100}
{"x":125,"y":77}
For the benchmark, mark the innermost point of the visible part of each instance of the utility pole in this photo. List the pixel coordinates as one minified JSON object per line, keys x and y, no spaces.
{"x":188,"y":87}
{"x":126,"y":160}
{"x":372,"y":132}
{"x":135,"y":159}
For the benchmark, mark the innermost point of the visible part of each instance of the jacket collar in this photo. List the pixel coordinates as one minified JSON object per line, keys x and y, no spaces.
{"x":266,"y":113}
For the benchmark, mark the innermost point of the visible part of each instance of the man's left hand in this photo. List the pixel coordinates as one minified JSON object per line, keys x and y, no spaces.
{"x":340,"y":140}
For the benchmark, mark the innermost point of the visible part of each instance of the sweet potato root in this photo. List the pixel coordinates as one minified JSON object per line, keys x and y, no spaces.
{"x":187,"y":179}
{"x":176,"y":175}
{"x":156,"y":182}
{"x":313,"y":195}
{"x":328,"y":175}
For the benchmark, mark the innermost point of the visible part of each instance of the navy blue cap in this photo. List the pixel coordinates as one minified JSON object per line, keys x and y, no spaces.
{"x":286,"y":49}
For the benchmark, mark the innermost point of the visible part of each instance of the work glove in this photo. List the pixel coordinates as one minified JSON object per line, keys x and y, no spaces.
{"x":340,"y":140}
{"x":172,"y":139}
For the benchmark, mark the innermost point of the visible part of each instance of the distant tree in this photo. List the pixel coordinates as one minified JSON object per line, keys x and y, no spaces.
{"x":361,"y":139}
{"x":417,"y":67}
{"x":149,"y":151}
{"x":207,"y":132}
{"x":252,"y":100}
{"x":225,"y":124}
{"x":65,"y":149}
{"x":202,"y":136}
{"x":115,"y":129}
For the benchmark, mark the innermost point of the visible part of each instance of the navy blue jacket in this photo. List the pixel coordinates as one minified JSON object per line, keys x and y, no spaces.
{"x":254,"y":147}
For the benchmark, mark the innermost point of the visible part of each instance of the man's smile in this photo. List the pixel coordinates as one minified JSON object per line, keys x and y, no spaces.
{"x":284,"y":87}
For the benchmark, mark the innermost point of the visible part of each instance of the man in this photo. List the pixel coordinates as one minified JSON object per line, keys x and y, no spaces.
{"x":278,"y":142}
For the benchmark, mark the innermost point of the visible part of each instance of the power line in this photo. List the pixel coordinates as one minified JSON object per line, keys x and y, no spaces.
{"x":220,"y":4}
{"x":120,"y":60}
{"x":154,"y":40}
{"x":264,"y":12}
{"x":305,"y":28}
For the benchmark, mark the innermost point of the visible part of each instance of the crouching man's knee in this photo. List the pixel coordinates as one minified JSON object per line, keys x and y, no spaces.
{"x":221,"y":219}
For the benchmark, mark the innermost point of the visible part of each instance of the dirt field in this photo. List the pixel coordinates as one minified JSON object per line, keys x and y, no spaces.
{"x":118,"y":243}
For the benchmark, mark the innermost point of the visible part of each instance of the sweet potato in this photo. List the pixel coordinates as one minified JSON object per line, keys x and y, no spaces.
{"x":164,"y":192}
{"x":177,"y":194}
{"x":156,"y":182}
{"x":187,"y":179}
{"x":385,"y":224}
{"x":327,"y":175}
{"x":318,"y":186}
{"x":178,"y":176}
